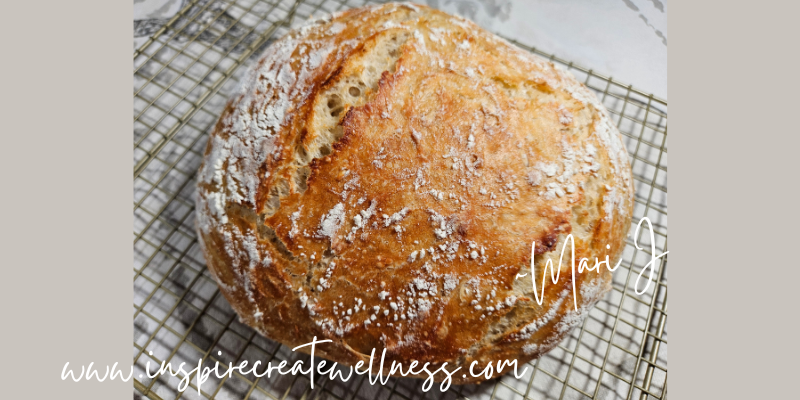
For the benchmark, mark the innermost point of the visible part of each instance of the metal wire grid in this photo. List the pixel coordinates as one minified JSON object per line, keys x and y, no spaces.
{"x":184,"y":74}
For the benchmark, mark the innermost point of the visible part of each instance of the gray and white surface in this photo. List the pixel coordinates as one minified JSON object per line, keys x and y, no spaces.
{"x":181,"y":83}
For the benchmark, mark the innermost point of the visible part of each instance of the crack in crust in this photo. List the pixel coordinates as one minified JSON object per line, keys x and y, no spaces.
{"x":379,"y":181}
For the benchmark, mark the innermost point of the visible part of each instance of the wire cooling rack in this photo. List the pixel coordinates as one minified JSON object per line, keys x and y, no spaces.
{"x":184,"y":73}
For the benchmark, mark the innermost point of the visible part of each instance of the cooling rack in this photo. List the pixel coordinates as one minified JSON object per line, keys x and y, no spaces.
{"x":184,"y":73}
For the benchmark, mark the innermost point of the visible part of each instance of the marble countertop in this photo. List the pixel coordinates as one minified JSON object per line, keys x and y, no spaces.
{"x":625,"y":39}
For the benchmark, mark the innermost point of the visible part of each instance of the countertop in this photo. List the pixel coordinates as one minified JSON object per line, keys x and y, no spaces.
{"x":625,"y":39}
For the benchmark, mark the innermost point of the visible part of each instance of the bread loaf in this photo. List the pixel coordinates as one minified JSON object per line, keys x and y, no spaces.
{"x":381,"y":177}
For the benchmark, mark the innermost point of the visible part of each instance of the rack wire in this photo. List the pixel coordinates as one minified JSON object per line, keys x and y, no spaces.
{"x":184,"y":73}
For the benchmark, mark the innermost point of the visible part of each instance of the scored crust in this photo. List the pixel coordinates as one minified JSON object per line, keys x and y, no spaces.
{"x":379,"y":181}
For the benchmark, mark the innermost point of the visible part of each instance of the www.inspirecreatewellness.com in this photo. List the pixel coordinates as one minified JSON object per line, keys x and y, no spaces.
{"x":299,"y":367}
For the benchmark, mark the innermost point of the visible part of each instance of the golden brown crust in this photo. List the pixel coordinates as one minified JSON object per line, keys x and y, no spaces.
{"x":381,"y":177}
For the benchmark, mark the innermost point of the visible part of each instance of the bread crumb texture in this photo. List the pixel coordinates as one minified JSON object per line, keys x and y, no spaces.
{"x":380,"y":177}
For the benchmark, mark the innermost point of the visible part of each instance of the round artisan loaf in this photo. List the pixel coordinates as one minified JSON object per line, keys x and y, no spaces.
{"x":379,"y":182}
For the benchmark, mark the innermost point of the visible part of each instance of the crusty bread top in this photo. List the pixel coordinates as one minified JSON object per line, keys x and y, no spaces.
{"x":381,"y":176}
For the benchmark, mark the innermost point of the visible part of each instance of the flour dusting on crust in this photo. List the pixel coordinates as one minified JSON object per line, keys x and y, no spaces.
{"x":379,"y":180}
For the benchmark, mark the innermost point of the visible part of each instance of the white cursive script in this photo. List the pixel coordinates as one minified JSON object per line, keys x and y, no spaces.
{"x":583,"y":264}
